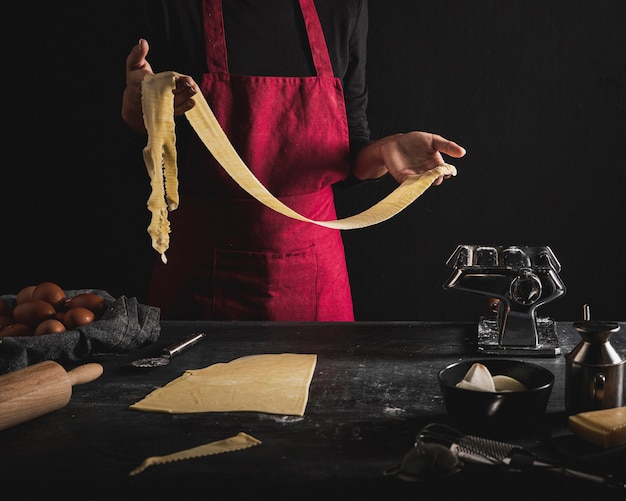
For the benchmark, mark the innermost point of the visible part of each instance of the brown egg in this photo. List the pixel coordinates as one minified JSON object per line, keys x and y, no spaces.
{"x":16,"y":330}
{"x":50,"y":326}
{"x":4,"y":321}
{"x":50,"y":292}
{"x":89,"y":300}
{"x":26,"y":294}
{"x":33,"y":312}
{"x":6,"y":309}
{"x":75,"y":317}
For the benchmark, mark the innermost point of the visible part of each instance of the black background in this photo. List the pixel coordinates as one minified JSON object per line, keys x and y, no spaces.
{"x":535,"y":91}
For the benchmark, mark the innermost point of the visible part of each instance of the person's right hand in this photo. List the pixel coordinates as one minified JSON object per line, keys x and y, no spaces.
{"x":137,"y":67}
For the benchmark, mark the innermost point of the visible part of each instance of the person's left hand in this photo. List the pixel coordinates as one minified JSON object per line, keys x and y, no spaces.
{"x":405,"y":155}
{"x":416,"y":152}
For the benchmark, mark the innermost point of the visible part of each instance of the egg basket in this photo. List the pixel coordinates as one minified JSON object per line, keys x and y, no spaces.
{"x":125,"y":324}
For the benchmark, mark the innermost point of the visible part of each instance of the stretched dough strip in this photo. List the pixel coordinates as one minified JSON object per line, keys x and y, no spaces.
{"x":160,"y":152}
{"x":160,"y":159}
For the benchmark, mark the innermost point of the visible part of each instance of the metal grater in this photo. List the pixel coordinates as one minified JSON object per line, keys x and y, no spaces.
{"x":485,"y":451}
{"x":426,"y":461}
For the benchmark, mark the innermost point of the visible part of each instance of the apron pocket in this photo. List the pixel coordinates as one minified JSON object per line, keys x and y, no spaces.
{"x":265,"y":286}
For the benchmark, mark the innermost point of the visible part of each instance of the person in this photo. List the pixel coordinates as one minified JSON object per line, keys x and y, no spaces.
{"x":286,"y":80}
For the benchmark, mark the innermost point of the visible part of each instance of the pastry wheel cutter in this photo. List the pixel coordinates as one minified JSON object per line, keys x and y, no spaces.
{"x":168,"y":352}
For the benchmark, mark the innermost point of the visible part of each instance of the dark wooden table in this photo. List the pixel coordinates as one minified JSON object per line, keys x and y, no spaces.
{"x":374,"y":388}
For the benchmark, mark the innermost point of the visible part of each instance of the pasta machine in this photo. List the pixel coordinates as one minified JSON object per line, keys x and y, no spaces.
{"x":519,"y":279}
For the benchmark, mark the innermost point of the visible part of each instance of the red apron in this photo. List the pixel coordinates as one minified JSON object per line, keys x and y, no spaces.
{"x":230,"y":257}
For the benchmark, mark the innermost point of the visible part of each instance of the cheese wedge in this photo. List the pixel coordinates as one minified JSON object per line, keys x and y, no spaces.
{"x":605,"y":427}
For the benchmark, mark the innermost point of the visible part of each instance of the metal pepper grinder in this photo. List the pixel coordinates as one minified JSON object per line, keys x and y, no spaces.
{"x":594,"y":371}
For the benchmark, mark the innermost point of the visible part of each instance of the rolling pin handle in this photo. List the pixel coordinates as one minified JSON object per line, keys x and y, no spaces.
{"x":84,"y":373}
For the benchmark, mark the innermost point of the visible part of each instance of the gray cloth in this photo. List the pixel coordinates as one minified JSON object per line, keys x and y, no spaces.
{"x":125,"y":325}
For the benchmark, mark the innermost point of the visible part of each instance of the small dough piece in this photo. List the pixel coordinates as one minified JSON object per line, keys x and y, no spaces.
{"x":477,"y":378}
{"x":507,"y":383}
{"x":274,"y":383}
{"x":604,"y":427}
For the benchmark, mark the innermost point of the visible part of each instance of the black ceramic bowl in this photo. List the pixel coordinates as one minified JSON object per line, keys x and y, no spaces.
{"x":500,"y":413}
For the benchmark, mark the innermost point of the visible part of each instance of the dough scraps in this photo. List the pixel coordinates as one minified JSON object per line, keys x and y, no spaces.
{"x":271,"y":383}
{"x":240,"y":441}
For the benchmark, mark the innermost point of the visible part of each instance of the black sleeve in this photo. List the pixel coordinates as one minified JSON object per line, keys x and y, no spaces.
{"x":174,"y":32}
{"x":354,"y":82}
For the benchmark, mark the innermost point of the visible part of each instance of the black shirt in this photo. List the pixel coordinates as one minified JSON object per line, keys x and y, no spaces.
{"x":265,"y":38}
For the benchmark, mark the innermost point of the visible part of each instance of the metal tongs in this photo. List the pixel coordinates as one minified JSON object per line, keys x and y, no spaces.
{"x":167,"y":353}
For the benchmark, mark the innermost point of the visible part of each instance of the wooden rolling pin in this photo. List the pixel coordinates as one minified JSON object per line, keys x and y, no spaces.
{"x":39,"y":389}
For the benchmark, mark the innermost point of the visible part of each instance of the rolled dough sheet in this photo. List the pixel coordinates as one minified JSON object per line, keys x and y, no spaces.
{"x":271,"y":383}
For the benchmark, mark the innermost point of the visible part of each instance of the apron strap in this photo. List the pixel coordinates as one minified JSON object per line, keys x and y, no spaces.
{"x":317,"y":42}
{"x":215,"y":41}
